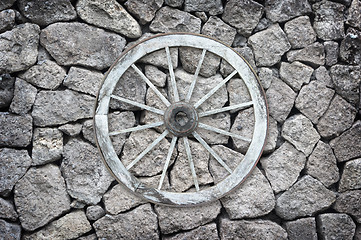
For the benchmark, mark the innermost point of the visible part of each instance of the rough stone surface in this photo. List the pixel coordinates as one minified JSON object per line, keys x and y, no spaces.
{"x":299,"y":131}
{"x":6,"y":4}
{"x":88,"y":131}
{"x":304,"y":228}
{"x":140,"y":223}
{"x":153,"y":100}
{"x":40,"y":196}
{"x":7,"y":20}
{"x":221,"y":121}
{"x":7,"y":210}
{"x":299,"y":32}
{"x":81,"y":44}
{"x":6,"y":90}
{"x":312,"y":54}
{"x":173,"y":20}
{"x":243,"y":15}
{"x":216,"y":28}
{"x":280,"y":11}
{"x":15,"y":131}
{"x":350,"y":48}
{"x":93,"y":213}
{"x":322,"y":75}
{"x":332,"y":51}
{"x":283,"y":167}
{"x":349,"y":202}
{"x":174,"y":3}
{"x":238,"y":92}
{"x":174,"y":219}
{"x":313,"y":100}
{"x":110,"y":15}
{"x":156,"y":76}
{"x":71,"y":129}
{"x":295,"y":74}
{"x":47,"y":145}
{"x":213,"y":7}
{"x":19,"y":48}
{"x":266,"y":76}
{"x":85,"y":175}
{"x":83,"y":80}
{"x":24,"y":97}
{"x":159,"y":58}
{"x":305,"y":198}
{"x":59,"y":107}
{"x":143,"y":10}
{"x":354,"y":14}
{"x":351,"y":176}
{"x":245,"y":52}
{"x":208,"y":231}
{"x":329,"y":20}
{"x":269,"y":45}
{"x":336,"y":226}
{"x":9,"y":230}
{"x":251,"y":229}
{"x":243,"y":126}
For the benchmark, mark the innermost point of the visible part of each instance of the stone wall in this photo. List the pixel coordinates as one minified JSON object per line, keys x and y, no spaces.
{"x":53,"y":56}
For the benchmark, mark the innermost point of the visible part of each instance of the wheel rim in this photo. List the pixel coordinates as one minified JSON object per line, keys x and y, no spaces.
{"x":190,"y":114}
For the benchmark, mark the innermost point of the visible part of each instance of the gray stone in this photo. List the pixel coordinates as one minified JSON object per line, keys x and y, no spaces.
{"x":245,"y":52}
{"x":331,"y":50}
{"x":322,"y":164}
{"x":19,"y":48}
{"x":153,"y":182}
{"x":283,"y":167}
{"x":85,"y":175}
{"x":339,"y":117}
{"x":329,"y":20}
{"x":84,"y":80}
{"x":347,"y":80}
{"x":88,"y":131}
{"x":313,"y":55}
{"x":299,"y":131}
{"x":336,"y":226}
{"x":239,"y":41}
{"x":81,"y":44}
{"x":251,"y":229}
{"x":349,"y":202}
{"x":322,"y":75}
{"x":13,"y":165}
{"x":281,"y":11}
{"x":305,"y":198}
{"x":40,"y":197}
{"x":266,"y":76}
{"x":350,"y":48}
{"x":272,"y":136}
{"x":140,"y":223}
{"x":221,"y":121}
{"x":354,"y":14}
{"x":173,"y":219}
{"x":43,"y":55}
{"x":263,"y":24}
{"x":6,"y":4}
{"x":46,"y":12}
{"x":143,"y":10}
{"x":213,"y":7}
{"x":9,"y":230}
{"x":159,"y":58}
{"x":238,"y":92}
{"x":6,"y":90}
{"x":110,"y":15}
{"x":351,"y":176}
{"x":118,"y":121}
{"x":208,"y":231}
{"x":24,"y":97}
{"x":153,"y":100}
{"x":280,"y":99}
{"x":120,"y":199}
{"x":93,"y":213}
{"x":7,"y":210}
{"x":243,"y":15}
{"x":174,"y":3}
{"x":47,"y":145}
{"x":15,"y":131}
{"x":71,"y":129}
{"x":313,"y":100}
{"x":243,"y":126}
{"x":173,"y":20}
{"x":7,"y":20}
{"x":202,"y":15}
{"x":269,"y":45}
{"x":59,"y":107}
{"x":304,"y":228}
{"x":295,"y":74}
{"x":88,"y":237}
{"x":216,"y":28}
{"x":156,"y":76}
{"x":299,"y":32}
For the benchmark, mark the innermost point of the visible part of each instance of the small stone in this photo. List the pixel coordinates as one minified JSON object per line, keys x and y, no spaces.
{"x":43,"y":55}
{"x":322,"y":75}
{"x":299,"y":131}
{"x":7,"y":210}
{"x":93,"y":213}
{"x":329,"y":20}
{"x":159,"y":58}
{"x":349,"y":202}
{"x":304,"y":228}
{"x":280,"y":100}
{"x":40,"y":197}
{"x":71,"y":129}
{"x":15,"y":131}
{"x":305,"y":198}
{"x":312,"y":54}
{"x":243,"y":126}
{"x":59,"y":107}
{"x":269,"y":45}
{"x":10,"y":230}
{"x":24,"y":97}
{"x":6,"y":90}
{"x":208,"y":231}
{"x":213,"y":7}
{"x":172,"y":219}
{"x":350,"y":48}
{"x":84,"y":80}
{"x":239,"y":41}
{"x":7,"y":20}
{"x":351,"y":176}
{"x":245,"y":52}
{"x":238,"y":92}
{"x":263,"y":24}
{"x":88,"y":131}
{"x":85,"y":175}
{"x":76,"y":204}
{"x":281,"y":11}
{"x":13,"y":166}
{"x":47,"y":145}
{"x":19,"y":48}
{"x":173,"y":20}
{"x":313,"y":100}
{"x":243,"y":15}
{"x":6,"y":4}
{"x":46,"y":12}
{"x":336,"y":226}
{"x":216,"y":28}
{"x":322,"y":164}
{"x":76,"y":43}
{"x":251,"y":229}
{"x":153,"y":182}
{"x":295,"y":74}
{"x":354,"y":14}
{"x":174,"y":3}
{"x":283,"y":167}
{"x":339,"y":117}
{"x":331,"y":50}
{"x":299,"y":32}
{"x":143,"y":10}
{"x":156,"y":76}
{"x":119,"y":199}
{"x":266,"y":76}
{"x":139,"y":223}
{"x":202,"y":15}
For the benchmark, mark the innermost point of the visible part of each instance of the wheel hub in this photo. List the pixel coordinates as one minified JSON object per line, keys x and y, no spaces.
{"x":181,"y":119}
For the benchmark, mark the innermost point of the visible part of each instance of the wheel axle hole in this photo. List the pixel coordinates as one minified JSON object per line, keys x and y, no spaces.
{"x":181,"y":118}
